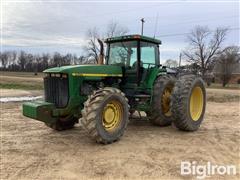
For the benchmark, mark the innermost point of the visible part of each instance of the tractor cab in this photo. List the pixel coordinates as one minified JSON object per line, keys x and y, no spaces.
{"x":136,"y":54}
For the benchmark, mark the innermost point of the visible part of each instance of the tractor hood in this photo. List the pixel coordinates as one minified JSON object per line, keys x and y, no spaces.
{"x":88,"y":70}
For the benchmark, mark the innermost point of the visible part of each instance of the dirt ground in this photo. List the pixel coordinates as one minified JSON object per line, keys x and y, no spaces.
{"x":30,"y":150}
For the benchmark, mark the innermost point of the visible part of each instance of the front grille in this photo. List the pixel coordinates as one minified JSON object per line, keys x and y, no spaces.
{"x":56,"y":91}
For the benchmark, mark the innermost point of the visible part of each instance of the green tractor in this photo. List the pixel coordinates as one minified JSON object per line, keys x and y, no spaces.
{"x":103,"y":96}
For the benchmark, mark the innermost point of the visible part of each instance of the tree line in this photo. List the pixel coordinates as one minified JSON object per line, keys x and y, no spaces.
{"x":28,"y":62}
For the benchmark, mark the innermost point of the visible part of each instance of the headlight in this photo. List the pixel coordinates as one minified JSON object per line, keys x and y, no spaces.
{"x":56,"y":75}
{"x":64,"y":75}
{"x":47,"y":75}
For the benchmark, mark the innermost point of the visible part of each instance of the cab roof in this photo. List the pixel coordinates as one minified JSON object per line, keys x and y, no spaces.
{"x":133,"y":37}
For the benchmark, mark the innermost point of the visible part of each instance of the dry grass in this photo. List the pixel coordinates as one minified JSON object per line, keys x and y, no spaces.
{"x":228,"y":86}
{"x":21,"y":80}
{"x":21,"y":74}
{"x":223,"y":95}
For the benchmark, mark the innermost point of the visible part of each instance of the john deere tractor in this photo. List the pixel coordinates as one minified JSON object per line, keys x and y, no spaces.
{"x":103,"y":96}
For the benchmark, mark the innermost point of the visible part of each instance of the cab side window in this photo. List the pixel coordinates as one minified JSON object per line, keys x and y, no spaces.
{"x":149,"y":54}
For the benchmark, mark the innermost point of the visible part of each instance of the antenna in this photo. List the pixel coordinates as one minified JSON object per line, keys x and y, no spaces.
{"x":156,"y":25}
{"x":143,"y":21}
{"x":180,"y":59}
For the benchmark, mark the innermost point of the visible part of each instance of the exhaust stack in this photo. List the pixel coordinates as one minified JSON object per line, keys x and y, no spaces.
{"x":101,"y":55}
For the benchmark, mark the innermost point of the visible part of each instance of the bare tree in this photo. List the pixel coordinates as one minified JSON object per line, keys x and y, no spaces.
{"x":79,"y":60}
{"x":4,"y":59}
{"x":45,"y":61}
{"x":67,"y":59}
{"x":204,"y":45}
{"x":227,"y":62}
{"x":13,"y":57}
{"x":29,"y":62}
{"x":56,"y":59}
{"x":92,"y":47}
{"x":22,"y":60}
{"x":115,"y":29}
{"x":171,"y":63}
{"x":37,"y":59}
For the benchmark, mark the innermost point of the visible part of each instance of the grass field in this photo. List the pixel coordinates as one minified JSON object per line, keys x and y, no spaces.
{"x":21,"y":80}
{"x":21,"y":74}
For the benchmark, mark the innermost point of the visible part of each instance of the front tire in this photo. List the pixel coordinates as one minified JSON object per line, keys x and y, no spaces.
{"x":188,"y":103}
{"x":105,"y":115}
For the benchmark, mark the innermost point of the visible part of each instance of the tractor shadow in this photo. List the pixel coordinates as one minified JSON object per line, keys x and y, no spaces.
{"x":139,"y":127}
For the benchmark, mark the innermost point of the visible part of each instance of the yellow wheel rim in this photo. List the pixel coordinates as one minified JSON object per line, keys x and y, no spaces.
{"x":112,"y":115}
{"x":166,"y":101}
{"x":196,"y":103}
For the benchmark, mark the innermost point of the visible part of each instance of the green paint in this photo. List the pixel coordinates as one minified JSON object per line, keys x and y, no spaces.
{"x":79,"y":74}
{"x":94,"y":69}
{"x":39,"y":110}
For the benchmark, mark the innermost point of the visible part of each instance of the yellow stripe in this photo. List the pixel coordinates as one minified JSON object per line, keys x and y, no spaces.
{"x":96,"y":75}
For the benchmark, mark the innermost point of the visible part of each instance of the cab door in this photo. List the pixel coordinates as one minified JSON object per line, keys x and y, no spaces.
{"x":149,"y":59}
{"x":126,"y":55}
{"x":131,"y":69}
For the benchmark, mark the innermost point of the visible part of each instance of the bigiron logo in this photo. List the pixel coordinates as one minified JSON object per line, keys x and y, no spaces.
{"x":206,"y":170}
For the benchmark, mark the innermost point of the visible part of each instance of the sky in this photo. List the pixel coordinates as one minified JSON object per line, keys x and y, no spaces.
{"x":38,"y":26}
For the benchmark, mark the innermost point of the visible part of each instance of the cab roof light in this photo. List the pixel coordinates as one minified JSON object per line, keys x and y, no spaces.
{"x":136,"y":37}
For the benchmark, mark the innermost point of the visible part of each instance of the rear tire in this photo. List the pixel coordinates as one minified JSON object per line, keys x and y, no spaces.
{"x":160,"y":113}
{"x":105,"y":115}
{"x":188,"y":103}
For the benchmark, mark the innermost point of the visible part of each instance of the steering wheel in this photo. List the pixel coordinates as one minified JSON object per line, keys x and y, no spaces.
{"x":135,"y":64}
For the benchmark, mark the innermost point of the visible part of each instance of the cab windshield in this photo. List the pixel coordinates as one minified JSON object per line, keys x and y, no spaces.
{"x":122,"y":53}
